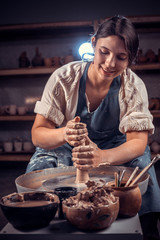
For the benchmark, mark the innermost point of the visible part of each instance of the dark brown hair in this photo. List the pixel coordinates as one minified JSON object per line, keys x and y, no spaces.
{"x":124,"y":29}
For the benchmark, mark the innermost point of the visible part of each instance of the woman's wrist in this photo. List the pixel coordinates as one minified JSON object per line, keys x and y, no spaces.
{"x":105,"y":157}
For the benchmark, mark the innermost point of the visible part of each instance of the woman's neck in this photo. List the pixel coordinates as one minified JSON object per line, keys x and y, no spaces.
{"x":96,"y":90}
{"x":94,"y":81}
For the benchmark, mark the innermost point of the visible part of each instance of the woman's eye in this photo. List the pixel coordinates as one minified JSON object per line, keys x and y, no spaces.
{"x":104,"y":52}
{"x":122,"y":58}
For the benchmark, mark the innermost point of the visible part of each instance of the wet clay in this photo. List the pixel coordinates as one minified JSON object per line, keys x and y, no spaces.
{"x":96,"y":194}
{"x":81,"y":176}
{"x":28,"y":199}
{"x":27,"y":203}
{"x":93,"y":208}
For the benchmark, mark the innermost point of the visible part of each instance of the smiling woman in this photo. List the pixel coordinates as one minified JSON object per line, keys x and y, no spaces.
{"x":110,"y":60}
{"x":112,"y":104}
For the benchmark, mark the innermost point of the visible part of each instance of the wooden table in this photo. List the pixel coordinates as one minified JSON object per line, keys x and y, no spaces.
{"x":122,"y":228}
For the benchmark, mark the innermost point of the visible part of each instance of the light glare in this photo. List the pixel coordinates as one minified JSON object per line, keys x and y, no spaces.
{"x":86,"y":51}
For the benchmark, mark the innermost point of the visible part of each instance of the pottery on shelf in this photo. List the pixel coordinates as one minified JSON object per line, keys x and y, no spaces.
{"x":37,"y":60}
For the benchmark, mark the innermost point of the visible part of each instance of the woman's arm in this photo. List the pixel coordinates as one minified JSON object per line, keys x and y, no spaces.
{"x":134,"y":146}
{"x":47,"y":136}
{"x":90,"y":155}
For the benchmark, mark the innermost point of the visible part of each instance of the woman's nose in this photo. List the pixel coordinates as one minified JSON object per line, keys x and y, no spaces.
{"x":110,"y":61}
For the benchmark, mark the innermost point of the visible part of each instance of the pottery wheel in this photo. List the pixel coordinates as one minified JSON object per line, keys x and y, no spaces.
{"x":62,"y":181}
{"x":55,"y":177}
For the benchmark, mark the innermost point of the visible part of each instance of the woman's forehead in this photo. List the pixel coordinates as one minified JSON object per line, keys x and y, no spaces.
{"x":112,"y":43}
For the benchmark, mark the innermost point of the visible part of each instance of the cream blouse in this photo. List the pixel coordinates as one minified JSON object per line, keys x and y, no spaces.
{"x":60,"y":98}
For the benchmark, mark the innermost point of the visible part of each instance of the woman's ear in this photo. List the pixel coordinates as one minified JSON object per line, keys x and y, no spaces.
{"x":93,"y":41}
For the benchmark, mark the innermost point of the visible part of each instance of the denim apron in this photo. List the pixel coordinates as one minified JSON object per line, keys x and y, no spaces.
{"x":103,"y":129}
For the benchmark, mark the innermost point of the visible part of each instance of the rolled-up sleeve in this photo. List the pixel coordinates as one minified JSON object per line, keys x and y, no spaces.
{"x":134,"y":112}
{"x":60,"y":95}
{"x":52,"y":103}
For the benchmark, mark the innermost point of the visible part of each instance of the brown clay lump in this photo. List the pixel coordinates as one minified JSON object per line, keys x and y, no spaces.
{"x":97,"y":194}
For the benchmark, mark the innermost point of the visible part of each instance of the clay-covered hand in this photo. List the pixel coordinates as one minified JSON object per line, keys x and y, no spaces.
{"x":75,"y":132}
{"x":87,"y":156}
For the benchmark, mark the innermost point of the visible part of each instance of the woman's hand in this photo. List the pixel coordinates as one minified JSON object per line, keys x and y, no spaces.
{"x":87,"y":156}
{"x":75,"y":132}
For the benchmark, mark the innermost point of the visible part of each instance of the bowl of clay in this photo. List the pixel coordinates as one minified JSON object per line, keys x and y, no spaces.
{"x":29,"y":210}
{"x":93,"y":208}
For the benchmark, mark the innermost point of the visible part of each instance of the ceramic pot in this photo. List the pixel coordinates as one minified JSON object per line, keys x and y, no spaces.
{"x":22,"y":110}
{"x":8,"y":146}
{"x":130,"y":199}
{"x":11,"y":109}
{"x":63,"y":193}
{"x":48,"y":62}
{"x":35,"y":211}
{"x":28,"y":146}
{"x":17,"y":146}
{"x":92,"y":218}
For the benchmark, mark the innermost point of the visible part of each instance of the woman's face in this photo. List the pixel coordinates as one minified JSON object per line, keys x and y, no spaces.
{"x":111,"y":57}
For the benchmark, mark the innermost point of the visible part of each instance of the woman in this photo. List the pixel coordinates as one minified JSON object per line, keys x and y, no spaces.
{"x":112,"y":104}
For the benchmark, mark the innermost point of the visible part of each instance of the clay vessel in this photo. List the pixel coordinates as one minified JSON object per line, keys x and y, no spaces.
{"x":130,"y":199}
{"x":41,"y":209}
{"x":63,"y":193}
{"x":37,"y":60}
{"x":92,"y":218}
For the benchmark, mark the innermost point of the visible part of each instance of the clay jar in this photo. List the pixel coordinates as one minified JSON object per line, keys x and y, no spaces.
{"x":28,"y":146}
{"x":130,"y":199}
{"x":63,"y":193}
{"x":22,"y":110}
{"x":11,"y":109}
{"x":8,"y":146}
{"x":96,"y":218}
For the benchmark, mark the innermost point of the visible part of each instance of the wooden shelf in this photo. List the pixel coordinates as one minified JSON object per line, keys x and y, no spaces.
{"x":50,"y":70}
{"x":144,"y":24}
{"x":27,"y":71}
{"x":17,"y":118}
{"x":15,"y":157}
{"x":146,"y":66}
{"x":43,"y":30}
{"x":155,"y":113}
{"x":34,"y":30}
{"x":78,"y":24}
{"x":50,"y":25}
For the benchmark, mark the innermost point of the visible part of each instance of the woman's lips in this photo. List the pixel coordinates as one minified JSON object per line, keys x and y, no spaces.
{"x":108,"y":72}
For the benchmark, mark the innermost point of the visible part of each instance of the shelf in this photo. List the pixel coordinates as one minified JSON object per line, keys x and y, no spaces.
{"x":41,"y":26}
{"x":155,"y":113}
{"x":146,"y":66}
{"x":144,"y":24}
{"x":36,"y":30}
{"x":75,"y":24}
{"x":17,"y":118}
{"x":27,"y":71}
{"x":16,"y":157}
{"x":50,"y":70}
